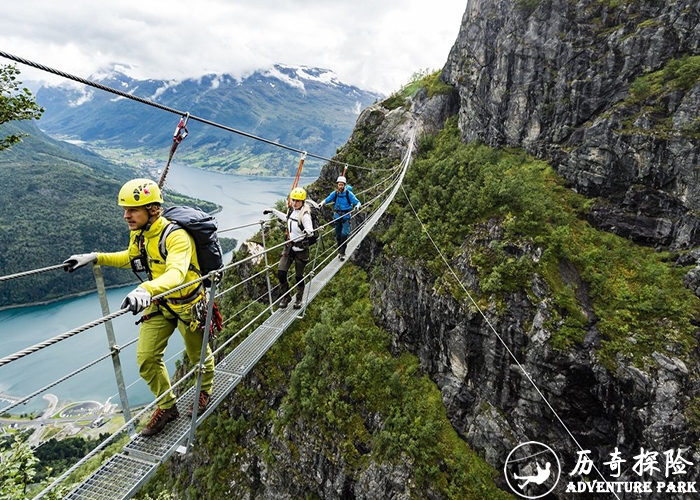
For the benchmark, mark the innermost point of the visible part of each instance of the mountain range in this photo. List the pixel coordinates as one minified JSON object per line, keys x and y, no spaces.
{"x":308,"y":109}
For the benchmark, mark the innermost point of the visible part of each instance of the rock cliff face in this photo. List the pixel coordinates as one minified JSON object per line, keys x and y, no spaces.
{"x":495,"y":406}
{"x":562,"y":80}
{"x":556,"y":77}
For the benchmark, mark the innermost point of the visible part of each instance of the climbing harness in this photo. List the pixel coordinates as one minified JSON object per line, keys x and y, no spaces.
{"x":199,"y":318}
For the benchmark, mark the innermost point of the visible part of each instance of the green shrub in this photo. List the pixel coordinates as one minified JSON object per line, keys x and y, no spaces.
{"x":463,"y":192}
{"x":420,"y":80}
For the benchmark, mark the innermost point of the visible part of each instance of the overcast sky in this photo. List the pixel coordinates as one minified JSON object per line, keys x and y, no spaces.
{"x":373,"y":44}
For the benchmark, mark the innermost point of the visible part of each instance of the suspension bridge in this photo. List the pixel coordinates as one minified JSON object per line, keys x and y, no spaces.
{"x":125,"y":472}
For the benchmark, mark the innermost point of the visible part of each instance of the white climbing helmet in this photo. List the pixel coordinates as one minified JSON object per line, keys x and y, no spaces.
{"x":342,"y":179}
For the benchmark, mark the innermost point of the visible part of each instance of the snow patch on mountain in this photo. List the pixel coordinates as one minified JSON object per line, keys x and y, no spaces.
{"x":163,"y":88}
{"x":84,"y":95}
{"x":275,"y":72}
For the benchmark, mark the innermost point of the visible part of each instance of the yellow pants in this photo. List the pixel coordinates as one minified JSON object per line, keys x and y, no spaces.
{"x":153,"y":339}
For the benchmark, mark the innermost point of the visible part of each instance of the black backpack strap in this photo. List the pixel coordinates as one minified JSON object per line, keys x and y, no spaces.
{"x":305,"y":209}
{"x":163,"y":249}
{"x":286,"y":225}
{"x":140,"y":263}
{"x":164,"y":236}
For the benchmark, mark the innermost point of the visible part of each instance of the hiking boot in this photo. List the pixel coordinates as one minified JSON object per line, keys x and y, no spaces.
{"x":284,"y":301}
{"x":297,"y":303}
{"x":341,"y":256}
{"x":204,"y":399}
{"x":159,"y":419}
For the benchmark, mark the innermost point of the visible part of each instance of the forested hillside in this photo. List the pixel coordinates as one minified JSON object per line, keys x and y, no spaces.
{"x":58,"y":200}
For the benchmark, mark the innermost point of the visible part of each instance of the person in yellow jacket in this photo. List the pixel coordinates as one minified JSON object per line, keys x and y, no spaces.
{"x":142,"y":202}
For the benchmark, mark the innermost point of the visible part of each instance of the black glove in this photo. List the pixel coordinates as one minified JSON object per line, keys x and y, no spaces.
{"x":267,"y":212}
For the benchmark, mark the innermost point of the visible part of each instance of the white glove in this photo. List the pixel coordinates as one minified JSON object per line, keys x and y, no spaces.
{"x":138,"y":300}
{"x":356,"y":207}
{"x":77,"y":261}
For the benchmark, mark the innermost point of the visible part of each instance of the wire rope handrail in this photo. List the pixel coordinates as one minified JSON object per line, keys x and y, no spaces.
{"x":58,"y":338}
{"x":64,"y":378}
{"x":107,"y":318}
{"x":35,"y":348}
{"x":143,"y":411}
{"x":238,"y":227}
{"x":31,"y":272}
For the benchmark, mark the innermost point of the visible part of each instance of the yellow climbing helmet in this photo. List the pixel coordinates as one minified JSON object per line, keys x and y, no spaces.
{"x":138,"y":193}
{"x":298,"y":194}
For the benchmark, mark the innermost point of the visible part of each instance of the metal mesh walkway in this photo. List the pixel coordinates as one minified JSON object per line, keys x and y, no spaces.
{"x":125,"y":473}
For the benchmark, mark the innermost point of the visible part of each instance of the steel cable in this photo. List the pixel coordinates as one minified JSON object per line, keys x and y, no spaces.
{"x":59,"y":338}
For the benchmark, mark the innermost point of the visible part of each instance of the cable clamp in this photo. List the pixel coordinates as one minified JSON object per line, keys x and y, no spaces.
{"x":181,"y":130}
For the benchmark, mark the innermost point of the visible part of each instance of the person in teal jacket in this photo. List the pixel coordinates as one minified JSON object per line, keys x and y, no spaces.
{"x":344,"y":202}
{"x":142,"y":200}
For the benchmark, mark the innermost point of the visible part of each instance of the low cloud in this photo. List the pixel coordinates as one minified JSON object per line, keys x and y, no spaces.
{"x":376,"y":45}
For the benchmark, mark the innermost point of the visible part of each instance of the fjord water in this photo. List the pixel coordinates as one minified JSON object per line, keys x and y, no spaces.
{"x":242,"y":198}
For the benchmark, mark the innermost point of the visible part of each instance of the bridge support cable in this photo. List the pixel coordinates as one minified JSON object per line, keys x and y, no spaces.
{"x":180,"y":133}
{"x":123,"y":474}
